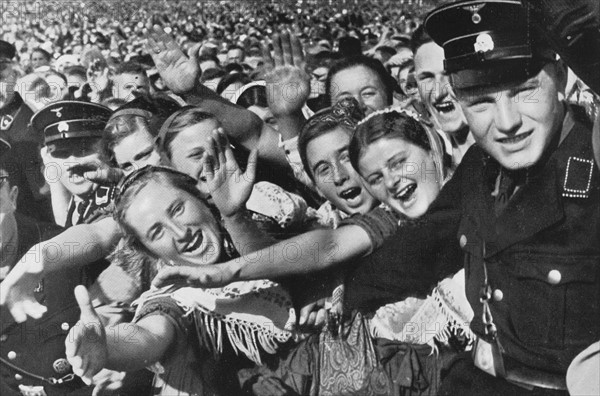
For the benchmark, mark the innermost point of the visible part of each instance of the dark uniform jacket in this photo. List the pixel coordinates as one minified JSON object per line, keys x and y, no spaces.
{"x":38,"y":346}
{"x":542,"y":253}
{"x":26,"y":144}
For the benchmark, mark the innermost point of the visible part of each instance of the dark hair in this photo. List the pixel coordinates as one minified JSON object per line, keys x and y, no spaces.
{"x":231,"y":79}
{"x":42,"y":51}
{"x":129,"y":68}
{"x":345,"y":114}
{"x":177,"y":122}
{"x":211,"y":73}
{"x":253,"y":96}
{"x":142,"y":113}
{"x":388,"y":82}
{"x":209,"y":57}
{"x":75,"y":70}
{"x":419,"y":38}
{"x":389,"y":125}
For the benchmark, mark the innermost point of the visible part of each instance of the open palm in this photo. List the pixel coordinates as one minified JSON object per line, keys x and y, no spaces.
{"x":178,"y":70}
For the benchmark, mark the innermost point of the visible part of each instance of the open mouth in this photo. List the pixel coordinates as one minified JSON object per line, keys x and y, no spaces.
{"x":444,"y":107}
{"x":514,"y":139}
{"x":193,"y":244}
{"x":350,"y":193}
{"x":406,"y":193}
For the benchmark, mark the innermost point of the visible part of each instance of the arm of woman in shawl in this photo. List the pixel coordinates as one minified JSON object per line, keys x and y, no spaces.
{"x":303,"y":254}
{"x":181,"y":74}
{"x":125,"y":347}
{"x":76,"y":246}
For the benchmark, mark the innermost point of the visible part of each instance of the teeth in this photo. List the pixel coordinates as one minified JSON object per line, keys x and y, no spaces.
{"x":514,"y":139}
{"x":193,"y":244}
{"x":445,"y":107}
{"x":406,"y":192}
{"x":350,"y":193}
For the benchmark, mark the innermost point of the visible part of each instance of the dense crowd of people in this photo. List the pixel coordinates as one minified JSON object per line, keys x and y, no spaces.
{"x":300,"y":198}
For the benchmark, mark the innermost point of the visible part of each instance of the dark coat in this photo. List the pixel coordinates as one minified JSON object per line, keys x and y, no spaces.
{"x":38,"y":346}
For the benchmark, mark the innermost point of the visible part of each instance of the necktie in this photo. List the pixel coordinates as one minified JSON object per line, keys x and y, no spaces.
{"x":507,"y":184}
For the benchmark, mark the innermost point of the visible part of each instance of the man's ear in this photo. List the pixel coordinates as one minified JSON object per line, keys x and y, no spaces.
{"x":14,"y":195}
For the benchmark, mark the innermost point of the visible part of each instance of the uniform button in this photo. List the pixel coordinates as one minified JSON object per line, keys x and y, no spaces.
{"x":65,"y":326}
{"x":498,"y":295}
{"x":463,"y":241}
{"x":3,"y":338}
{"x":12,"y":355}
{"x":554,"y":277}
{"x":18,"y":377}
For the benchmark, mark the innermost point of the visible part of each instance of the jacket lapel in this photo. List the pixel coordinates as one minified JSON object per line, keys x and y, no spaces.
{"x":535,"y":207}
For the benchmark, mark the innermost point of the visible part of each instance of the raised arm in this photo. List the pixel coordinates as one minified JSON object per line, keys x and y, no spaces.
{"x":125,"y":347}
{"x":76,"y":246}
{"x":181,"y":74}
{"x":310,"y":252}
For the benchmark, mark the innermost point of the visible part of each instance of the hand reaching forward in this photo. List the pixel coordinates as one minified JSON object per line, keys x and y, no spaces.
{"x":86,"y":347}
{"x":178,"y":71}
{"x":17,"y":290}
{"x":205,"y":276}
{"x":288,"y":84}
{"x":229,"y":187}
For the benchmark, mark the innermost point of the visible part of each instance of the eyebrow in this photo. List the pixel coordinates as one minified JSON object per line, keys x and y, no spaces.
{"x":143,"y":153}
{"x":338,"y":152}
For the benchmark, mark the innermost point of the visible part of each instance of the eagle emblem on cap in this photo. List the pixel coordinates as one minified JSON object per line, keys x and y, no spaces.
{"x":484,"y":43}
{"x":63,"y":126}
{"x":57,"y":112}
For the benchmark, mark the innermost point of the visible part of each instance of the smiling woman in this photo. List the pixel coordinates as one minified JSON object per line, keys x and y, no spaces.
{"x":178,"y":330}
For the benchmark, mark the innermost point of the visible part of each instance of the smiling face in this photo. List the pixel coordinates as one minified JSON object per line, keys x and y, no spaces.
{"x":400,"y":174}
{"x":71,"y":158}
{"x":176,"y":227}
{"x":188,"y":148}
{"x":334,"y":176}
{"x":434,"y":87}
{"x":124,"y":86}
{"x":136,"y":151}
{"x":361,"y":83}
{"x":8,"y":79}
{"x":515,"y":123}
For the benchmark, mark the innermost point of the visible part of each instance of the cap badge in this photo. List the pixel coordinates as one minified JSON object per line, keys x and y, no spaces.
{"x":63,"y":126}
{"x":6,"y":122}
{"x":57,"y":111}
{"x":475,"y":17}
{"x":484,"y":43}
{"x":61,"y":366}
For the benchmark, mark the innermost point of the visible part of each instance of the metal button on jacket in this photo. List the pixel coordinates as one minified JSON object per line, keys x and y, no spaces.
{"x":12,"y":355}
{"x":498,"y":295}
{"x":554,"y":277}
{"x":463,"y":241}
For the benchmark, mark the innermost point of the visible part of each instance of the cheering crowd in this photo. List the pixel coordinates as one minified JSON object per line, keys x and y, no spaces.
{"x":300,"y":198}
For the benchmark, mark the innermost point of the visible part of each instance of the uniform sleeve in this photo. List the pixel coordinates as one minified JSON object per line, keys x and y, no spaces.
{"x":379,"y":224}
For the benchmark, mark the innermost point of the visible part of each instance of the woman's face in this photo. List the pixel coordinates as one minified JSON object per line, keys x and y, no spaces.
{"x":400,"y":174}
{"x":136,"y":151}
{"x":188,"y":149}
{"x":334,"y":176}
{"x":174,"y":225}
{"x":361,"y":83}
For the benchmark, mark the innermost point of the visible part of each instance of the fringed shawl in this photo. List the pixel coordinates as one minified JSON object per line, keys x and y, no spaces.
{"x":254,"y":315}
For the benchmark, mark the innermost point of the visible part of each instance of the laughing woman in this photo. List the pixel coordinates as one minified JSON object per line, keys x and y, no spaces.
{"x":178,"y":332}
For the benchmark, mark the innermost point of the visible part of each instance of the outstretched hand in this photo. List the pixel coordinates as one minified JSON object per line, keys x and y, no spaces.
{"x":205,"y":276}
{"x":288,"y":84}
{"x":229,"y":187}
{"x":17,"y":290}
{"x":85,"y":347}
{"x":178,"y":70}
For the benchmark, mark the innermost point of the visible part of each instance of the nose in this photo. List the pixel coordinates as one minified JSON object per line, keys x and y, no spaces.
{"x":340,"y":175}
{"x":441,"y":87}
{"x":507,"y":118}
{"x":180,"y":231}
{"x":391,"y":179}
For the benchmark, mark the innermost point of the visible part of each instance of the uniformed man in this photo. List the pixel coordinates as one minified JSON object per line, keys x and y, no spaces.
{"x":72,"y":137}
{"x":14,"y":120}
{"x":529,"y":200}
{"x":32,"y":354}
